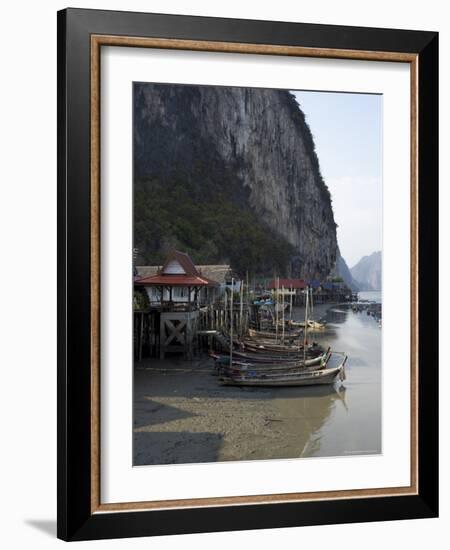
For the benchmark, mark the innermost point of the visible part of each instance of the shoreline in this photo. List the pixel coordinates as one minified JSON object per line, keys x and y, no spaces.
{"x":182,"y":415}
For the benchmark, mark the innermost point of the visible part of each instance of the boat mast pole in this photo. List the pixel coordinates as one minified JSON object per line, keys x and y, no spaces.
{"x":312,"y":312}
{"x":290,"y":306}
{"x":276,"y":308}
{"x":231,"y":322}
{"x":225,"y":303}
{"x":241,"y":308}
{"x":248,"y":305}
{"x":306,"y":324}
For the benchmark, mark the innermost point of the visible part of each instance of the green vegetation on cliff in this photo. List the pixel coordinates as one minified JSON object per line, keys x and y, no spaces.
{"x":212,"y":230}
{"x":229,"y":175}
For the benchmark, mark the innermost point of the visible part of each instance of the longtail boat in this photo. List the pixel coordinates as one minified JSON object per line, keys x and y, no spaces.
{"x":263,"y":360}
{"x":314,"y":325}
{"x":284,"y":349}
{"x":272,"y":335}
{"x":273,"y":341}
{"x":302,"y":378}
{"x":238,"y":367}
{"x":250,"y":357}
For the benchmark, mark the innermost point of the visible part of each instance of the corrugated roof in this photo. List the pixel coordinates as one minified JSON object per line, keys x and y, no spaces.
{"x":147,"y":270}
{"x":219,"y":273}
{"x":286,"y":283}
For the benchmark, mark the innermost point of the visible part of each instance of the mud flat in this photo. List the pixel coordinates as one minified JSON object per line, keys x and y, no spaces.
{"x":183,"y":415}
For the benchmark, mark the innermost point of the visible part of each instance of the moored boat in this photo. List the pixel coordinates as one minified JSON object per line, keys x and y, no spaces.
{"x":277,"y":349}
{"x":257,"y":369}
{"x":261,"y":361}
{"x":273,"y":335}
{"x":305,"y":377}
{"x":311,"y":324}
{"x":259,"y":357}
{"x":257,"y":347}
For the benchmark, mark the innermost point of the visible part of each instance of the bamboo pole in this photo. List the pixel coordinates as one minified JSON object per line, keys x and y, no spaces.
{"x":248,"y":304}
{"x":276,"y":308}
{"x":225,"y":307}
{"x":305,"y":340}
{"x":141,"y":334}
{"x":231,"y":323}
{"x":290,"y":305}
{"x":241,"y":308}
{"x":312,"y":312}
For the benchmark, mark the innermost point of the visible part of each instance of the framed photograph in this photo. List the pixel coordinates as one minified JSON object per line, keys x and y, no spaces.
{"x":248,"y":301}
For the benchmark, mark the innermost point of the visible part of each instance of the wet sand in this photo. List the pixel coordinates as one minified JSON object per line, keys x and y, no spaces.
{"x":183,"y":415}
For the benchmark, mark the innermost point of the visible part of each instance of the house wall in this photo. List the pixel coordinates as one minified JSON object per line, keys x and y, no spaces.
{"x":180,"y":295}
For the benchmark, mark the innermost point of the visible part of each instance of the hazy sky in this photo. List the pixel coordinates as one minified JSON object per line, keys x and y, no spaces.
{"x":347,"y":131}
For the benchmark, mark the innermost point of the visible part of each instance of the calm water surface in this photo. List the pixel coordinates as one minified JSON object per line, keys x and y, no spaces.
{"x":183,"y":415}
{"x":345,"y":419}
{"x":372,"y":295}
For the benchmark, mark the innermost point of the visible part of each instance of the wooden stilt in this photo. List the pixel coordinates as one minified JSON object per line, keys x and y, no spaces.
{"x":241,"y":308}
{"x":231,"y":323}
{"x":305,"y":339}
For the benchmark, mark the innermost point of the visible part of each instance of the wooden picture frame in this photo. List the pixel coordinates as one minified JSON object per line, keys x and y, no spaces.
{"x":81,"y":35}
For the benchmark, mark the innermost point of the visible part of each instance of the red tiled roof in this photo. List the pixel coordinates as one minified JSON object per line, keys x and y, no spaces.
{"x":175,"y":280}
{"x":286,"y":283}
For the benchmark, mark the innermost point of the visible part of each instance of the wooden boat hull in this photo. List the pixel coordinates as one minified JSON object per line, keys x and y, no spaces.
{"x":223,"y":360}
{"x":280,"y":349}
{"x":316,"y":325}
{"x":237,"y":371}
{"x":309,"y":378}
{"x":246,"y":369}
{"x":288,"y":334}
{"x":288,"y":344}
{"x":250,"y":357}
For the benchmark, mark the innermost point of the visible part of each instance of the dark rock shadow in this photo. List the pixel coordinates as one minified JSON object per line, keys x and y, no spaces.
{"x":151,"y":448}
{"x":148,"y":413}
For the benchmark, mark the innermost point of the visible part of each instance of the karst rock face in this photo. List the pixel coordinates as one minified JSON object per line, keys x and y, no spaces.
{"x":368,"y":272}
{"x":259,"y":140}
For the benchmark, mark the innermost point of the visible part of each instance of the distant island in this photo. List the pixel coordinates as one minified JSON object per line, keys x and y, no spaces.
{"x":367,"y":272}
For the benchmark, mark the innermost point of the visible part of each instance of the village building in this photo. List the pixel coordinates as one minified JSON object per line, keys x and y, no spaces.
{"x":287,"y":288}
{"x":315,"y":284}
{"x":180,"y":282}
{"x":323,"y":291}
{"x":179,"y":290}
{"x":177,"y":283}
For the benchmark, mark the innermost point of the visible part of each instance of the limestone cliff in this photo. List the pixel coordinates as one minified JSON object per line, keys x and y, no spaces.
{"x":252,"y":149}
{"x":367,"y":272}
{"x":342,"y":270}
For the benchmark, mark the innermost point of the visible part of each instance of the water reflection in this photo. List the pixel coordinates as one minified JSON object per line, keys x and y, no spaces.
{"x":182,"y":414}
{"x":343,"y":420}
{"x":337,"y":315}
